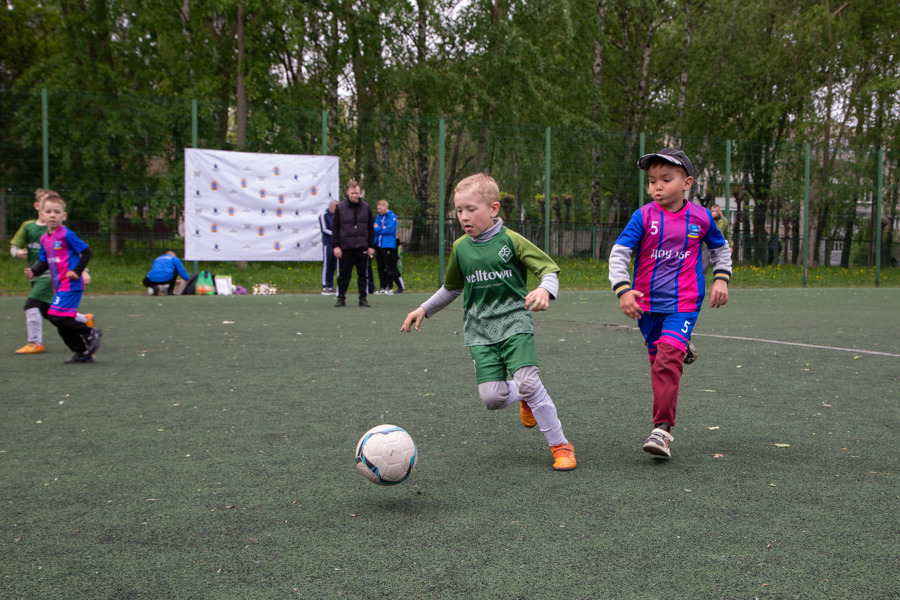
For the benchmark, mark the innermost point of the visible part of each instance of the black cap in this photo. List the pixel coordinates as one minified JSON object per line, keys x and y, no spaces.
{"x":676,"y":157}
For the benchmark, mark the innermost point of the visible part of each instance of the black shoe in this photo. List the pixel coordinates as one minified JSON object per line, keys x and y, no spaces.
{"x":340,"y":302}
{"x":93,"y":341}
{"x":79,"y":359}
{"x":365,"y":303}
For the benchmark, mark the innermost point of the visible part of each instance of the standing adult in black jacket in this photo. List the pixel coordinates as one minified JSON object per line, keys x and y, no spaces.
{"x":353,"y":237}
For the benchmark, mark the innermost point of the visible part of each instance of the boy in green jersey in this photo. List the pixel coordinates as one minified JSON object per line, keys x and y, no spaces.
{"x":489,"y":266}
{"x":26,"y":245}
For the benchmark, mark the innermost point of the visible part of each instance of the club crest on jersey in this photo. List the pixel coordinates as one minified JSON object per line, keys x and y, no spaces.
{"x":693,"y":231}
{"x":505,"y":253}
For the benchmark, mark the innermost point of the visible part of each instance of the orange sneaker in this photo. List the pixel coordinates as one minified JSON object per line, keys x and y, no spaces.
{"x":563,"y":457}
{"x":526,"y":415}
{"x":30,"y":348}
{"x":89,"y":320}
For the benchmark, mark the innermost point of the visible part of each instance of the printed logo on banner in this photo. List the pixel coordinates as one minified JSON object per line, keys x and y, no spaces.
{"x":261,"y":231}
{"x":276,"y":171}
{"x":263,"y":212}
{"x":244,"y":182}
{"x":296,"y":213}
{"x":279,"y":228}
{"x":280,"y":198}
{"x":298,"y":245}
{"x":313,"y":190}
{"x":196,"y":232}
{"x":279,"y":212}
{"x":197,"y":194}
{"x":262,"y":193}
{"x":215,"y":167}
{"x":248,"y":226}
{"x":276,"y":246}
{"x":216,"y":248}
{"x":216,"y":211}
{"x":214,"y":185}
{"x":296,"y":177}
{"x":214,"y":227}
{"x":230,"y":211}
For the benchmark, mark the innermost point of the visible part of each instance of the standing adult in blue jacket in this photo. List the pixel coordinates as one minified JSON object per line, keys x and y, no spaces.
{"x":386,"y":248}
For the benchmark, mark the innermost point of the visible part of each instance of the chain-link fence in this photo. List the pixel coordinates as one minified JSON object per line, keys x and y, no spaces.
{"x":119,"y":161}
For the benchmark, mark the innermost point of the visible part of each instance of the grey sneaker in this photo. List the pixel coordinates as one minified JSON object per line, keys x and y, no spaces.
{"x":691,"y":354}
{"x":659,"y":442}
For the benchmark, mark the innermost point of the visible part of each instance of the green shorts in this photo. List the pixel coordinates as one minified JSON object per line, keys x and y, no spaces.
{"x":42,"y":289}
{"x":492,"y":362}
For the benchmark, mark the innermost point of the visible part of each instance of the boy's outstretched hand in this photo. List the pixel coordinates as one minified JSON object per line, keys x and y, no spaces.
{"x":413,"y":318}
{"x":628,"y":304}
{"x":537,"y":299}
{"x":718,"y":295}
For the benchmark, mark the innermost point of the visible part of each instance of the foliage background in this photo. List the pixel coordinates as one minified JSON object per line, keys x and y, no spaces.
{"x":769,"y":76}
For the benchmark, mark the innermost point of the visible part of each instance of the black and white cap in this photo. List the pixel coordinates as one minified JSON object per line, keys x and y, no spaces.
{"x":676,"y":157}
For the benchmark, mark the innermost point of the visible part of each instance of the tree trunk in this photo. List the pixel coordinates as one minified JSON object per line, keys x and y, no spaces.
{"x":241,"y":112}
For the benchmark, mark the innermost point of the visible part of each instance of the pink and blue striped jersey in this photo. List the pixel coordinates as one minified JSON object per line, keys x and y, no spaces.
{"x":62,"y":250}
{"x":668,"y":268}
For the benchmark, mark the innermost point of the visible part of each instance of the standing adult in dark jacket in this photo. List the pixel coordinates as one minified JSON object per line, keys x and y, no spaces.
{"x":353,"y":237}
{"x":329,"y":261}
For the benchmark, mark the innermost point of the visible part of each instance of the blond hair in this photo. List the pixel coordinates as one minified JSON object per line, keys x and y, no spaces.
{"x":483,"y":184}
{"x":52,"y":196}
{"x":382,"y":201}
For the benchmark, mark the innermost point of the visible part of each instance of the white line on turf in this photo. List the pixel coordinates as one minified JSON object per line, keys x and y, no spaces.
{"x":747,"y":339}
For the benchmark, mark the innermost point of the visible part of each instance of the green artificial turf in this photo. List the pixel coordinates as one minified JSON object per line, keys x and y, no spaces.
{"x":208,"y":453}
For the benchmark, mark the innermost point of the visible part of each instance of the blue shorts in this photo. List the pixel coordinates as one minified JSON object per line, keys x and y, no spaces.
{"x":65,"y":304}
{"x":671,"y":328}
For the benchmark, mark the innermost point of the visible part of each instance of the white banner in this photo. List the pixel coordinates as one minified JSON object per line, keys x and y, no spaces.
{"x":248,"y":206}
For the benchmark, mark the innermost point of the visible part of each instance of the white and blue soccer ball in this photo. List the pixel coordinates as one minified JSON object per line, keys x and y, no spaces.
{"x":386,"y":455}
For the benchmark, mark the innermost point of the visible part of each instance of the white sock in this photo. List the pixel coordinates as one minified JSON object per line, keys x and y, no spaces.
{"x":80,"y":318}
{"x":34,"y":325}
{"x":545,"y":414}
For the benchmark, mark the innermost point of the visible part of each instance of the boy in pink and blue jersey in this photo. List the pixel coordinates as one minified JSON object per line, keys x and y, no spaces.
{"x":66,"y":256}
{"x":667,"y":290}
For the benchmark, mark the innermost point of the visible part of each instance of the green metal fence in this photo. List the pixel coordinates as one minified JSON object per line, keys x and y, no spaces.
{"x":119,"y":161}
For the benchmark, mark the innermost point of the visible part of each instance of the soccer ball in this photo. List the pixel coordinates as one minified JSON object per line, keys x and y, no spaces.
{"x":386,"y":455}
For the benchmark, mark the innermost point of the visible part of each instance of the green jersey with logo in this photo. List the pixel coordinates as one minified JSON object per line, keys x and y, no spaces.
{"x":493,"y":276}
{"x":29,"y":237}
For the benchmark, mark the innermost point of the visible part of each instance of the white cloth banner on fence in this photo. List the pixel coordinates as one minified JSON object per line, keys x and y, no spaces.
{"x":248,"y":206}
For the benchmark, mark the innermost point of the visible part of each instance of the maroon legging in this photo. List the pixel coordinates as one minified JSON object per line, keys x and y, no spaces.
{"x":665,"y":375}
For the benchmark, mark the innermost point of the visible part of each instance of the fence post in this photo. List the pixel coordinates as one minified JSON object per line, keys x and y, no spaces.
{"x":195,"y":141}
{"x":547,"y":192}
{"x":45,"y":136}
{"x":878,"y":194}
{"x":727,"y":179}
{"x":441,"y":201}
{"x":324,"y":133}
{"x":641,"y":150}
{"x":806,"y":216}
